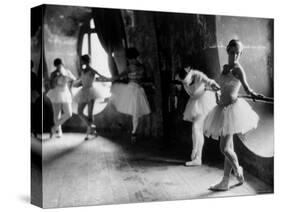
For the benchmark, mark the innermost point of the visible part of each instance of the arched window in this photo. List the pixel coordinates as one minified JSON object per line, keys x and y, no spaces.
{"x":99,"y":61}
{"x":91,"y":45}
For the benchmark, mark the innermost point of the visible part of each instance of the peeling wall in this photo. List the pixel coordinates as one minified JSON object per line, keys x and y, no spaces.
{"x":61,"y":30}
{"x":182,"y":39}
{"x":256,"y":35}
{"x":140,"y":33}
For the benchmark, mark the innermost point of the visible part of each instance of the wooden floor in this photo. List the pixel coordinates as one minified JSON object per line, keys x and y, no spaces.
{"x":107,"y":171}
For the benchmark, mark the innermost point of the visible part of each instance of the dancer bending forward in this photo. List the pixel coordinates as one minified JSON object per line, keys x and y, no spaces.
{"x":201,"y":101}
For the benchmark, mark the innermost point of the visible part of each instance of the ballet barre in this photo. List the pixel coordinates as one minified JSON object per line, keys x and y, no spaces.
{"x":264,"y":99}
{"x":261,"y":99}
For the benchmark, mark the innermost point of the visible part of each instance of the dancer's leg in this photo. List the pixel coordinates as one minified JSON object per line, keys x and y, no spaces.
{"x":194,"y":142}
{"x":56,"y":115}
{"x":226,"y":146}
{"x":91,"y":117}
{"x":91,"y":104}
{"x":230,"y":162}
{"x":199,"y":137}
{"x":223,"y":185}
{"x":198,"y":142}
{"x":67,"y":113}
{"x":135,"y":121}
{"x":81,"y":107}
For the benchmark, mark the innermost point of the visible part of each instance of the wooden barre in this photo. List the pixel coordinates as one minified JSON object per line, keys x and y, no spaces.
{"x":264,"y":99}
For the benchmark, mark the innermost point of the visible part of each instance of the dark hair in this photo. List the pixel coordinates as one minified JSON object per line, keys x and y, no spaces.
{"x":132,"y":53}
{"x":181,"y":73}
{"x":32,"y":64}
{"x":86,"y":58}
{"x":234,"y":43}
{"x":57,"y":62}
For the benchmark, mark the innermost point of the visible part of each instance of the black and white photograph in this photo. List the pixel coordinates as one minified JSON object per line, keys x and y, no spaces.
{"x":132,"y":106}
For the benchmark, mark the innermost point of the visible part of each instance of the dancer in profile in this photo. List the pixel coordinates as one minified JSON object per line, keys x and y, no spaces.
{"x":60,"y":96}
{"x":87,"y":95}
{"x":201,"y":101}
{"x":232,"y":115}
{"x":130,"y":98}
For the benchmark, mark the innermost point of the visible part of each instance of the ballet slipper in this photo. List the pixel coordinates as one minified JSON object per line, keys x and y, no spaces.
{"x":222,"y":186}
{"x":88,"y":133}
{"x":195,"y":162}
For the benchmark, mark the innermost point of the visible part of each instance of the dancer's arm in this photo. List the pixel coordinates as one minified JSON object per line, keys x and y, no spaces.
{"x":77,"y":83}
{"x":93,"y":71}
{"x":217,"y":97}
{"x":239,"y":73}
{"x":70,"y":75}
{"x":122,"y":75}
{"x":208,"y":82}
{"x":53,"y":79}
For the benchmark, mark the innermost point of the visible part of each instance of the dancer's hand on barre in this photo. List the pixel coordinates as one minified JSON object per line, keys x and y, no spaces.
{"x":214,"y":86}
{"x":255,"y":95}
{"x":105,"y":79}
{"x":218,"y":97}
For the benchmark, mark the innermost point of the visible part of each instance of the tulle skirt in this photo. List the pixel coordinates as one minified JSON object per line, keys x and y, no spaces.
{"x":235,"y":118}
{"x":86,"y":94}
{"x":59,"y":95}
{"x":130,"y":99}
{"x":199,"y":106}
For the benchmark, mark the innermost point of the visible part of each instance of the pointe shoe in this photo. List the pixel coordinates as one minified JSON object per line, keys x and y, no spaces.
{"x":52,"y":132}
{"x":59,"y":132}
{"x":195,"y":162}
{"x":222,"y":186}
{"x":240,"y":175}
{"x":219,"y":188}
{"x":88,"y":133}
{"x":93,"y":130}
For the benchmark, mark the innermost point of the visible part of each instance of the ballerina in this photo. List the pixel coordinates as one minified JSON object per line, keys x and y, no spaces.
{"x":87,"y":95}
{"x":201,"y":101}
{"x":232,"y":115}
{"x":130,"y":98}
{"x":60,"y":96}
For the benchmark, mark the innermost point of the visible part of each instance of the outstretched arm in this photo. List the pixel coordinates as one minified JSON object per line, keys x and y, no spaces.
{"x":93,"y":71}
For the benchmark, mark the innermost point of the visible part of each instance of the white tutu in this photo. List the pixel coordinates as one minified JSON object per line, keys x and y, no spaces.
{"x":130,"y":99}
{"x":199,"y":106}
{"x":59,"y":95}
{"x":86,"y":94}
{"x":235,"y":118}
